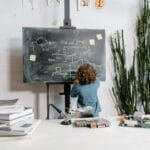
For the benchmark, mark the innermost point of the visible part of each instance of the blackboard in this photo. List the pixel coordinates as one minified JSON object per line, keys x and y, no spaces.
{"x":53,"y":55}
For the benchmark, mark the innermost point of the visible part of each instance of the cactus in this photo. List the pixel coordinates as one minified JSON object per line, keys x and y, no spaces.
{"x":124,"y":89}
{"x":143,"y":56}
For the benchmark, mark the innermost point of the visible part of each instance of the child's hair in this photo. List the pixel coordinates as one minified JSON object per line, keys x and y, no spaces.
{"x":86,"y":74}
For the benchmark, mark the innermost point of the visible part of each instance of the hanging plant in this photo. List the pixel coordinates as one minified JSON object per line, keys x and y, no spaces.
{"x":124,"y":89}
{"x":143,"y":56}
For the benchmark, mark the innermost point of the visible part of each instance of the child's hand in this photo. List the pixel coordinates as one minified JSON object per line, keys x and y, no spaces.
{"x":76,"y":82}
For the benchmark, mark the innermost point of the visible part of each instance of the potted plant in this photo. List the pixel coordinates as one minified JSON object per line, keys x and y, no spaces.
{"x":124,"y":89}
{"x":143,"y":57}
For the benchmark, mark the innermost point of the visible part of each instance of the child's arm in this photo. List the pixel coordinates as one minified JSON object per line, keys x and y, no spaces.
{"x":74,"y":90}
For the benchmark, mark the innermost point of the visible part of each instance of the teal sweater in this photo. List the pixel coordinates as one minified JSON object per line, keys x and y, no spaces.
{"x":87,"y":96}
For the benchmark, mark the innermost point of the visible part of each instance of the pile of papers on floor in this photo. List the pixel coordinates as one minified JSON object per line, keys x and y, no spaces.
{"x":137,"y":120}
{"x":16,"y":120}
{"x":92,"y":123}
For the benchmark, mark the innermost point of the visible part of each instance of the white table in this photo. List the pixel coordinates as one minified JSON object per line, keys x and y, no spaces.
{"x":50,"y":135}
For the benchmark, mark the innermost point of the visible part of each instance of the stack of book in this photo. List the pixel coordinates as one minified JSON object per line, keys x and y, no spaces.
{"x":15,"y":119}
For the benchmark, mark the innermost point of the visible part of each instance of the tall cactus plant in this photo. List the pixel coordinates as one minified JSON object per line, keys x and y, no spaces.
{"x":124,"y":89}
{"x":143,"y":56}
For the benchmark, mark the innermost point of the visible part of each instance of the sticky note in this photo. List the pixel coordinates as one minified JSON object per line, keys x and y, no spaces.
{"x":99,"y":36}
{"x":92,"y":42}
{"x":32,"y":57}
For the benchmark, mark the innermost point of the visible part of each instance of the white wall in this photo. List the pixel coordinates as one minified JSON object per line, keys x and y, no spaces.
{"x":115,"y":15}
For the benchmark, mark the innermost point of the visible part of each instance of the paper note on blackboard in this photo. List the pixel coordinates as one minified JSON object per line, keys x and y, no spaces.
{"x":92,"y":42}
{"x":99,"y":36}
{"x":32,"y":57}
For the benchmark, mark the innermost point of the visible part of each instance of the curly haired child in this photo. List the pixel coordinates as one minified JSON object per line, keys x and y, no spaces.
{"x":85,"y":87}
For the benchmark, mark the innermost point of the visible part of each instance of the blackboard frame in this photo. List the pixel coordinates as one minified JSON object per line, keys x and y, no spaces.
{"x":37,"y":39}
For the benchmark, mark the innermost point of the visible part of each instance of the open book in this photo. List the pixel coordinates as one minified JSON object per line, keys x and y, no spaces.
{"x":82,"y":112}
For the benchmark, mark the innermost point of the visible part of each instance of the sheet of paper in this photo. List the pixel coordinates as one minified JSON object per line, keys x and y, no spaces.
{"x":92,"y":42}
{"x":99,"y":36}
{"x":32,"y":57}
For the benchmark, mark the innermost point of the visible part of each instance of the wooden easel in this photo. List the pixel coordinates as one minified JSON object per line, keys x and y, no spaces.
{"x":67,"y":86}
{"x":67,"y":90}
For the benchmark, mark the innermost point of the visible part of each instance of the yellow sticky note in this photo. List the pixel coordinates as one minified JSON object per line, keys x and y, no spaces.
{"x":32,"y":57}
{"x":99,"y":36}
{"x":92,"y":42}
